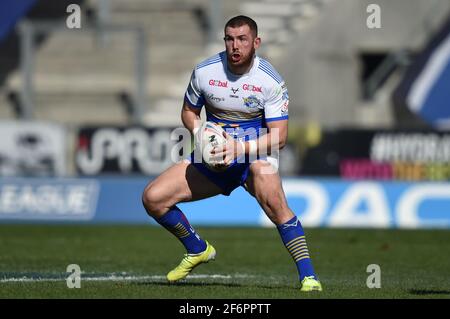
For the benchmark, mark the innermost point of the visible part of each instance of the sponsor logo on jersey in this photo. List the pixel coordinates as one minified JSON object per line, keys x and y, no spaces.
{"x":234,"y":90}
{"x":253,"y":102}
{"x":223,"y":84}
{"x":252,"y":88}
{"x":214,"y":98}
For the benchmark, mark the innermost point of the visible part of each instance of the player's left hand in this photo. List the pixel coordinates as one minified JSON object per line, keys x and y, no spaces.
{"x":229,"y":151}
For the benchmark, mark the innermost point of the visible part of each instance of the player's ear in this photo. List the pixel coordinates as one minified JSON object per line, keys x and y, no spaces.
{"x":257,"y":42}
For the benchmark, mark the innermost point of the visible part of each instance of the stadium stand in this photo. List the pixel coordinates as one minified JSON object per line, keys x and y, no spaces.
{"x":80,"y":79}
{"x":89,"y":77}
{"x":333,"y":50}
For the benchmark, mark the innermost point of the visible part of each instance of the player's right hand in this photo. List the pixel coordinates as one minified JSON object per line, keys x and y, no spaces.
{"x":229,"y":151}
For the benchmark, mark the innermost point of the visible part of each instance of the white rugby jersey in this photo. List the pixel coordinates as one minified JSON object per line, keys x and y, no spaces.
{"x":238,"y":101}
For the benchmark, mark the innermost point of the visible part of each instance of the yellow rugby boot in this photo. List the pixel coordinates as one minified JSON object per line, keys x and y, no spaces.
{"x":310,"y":284}
{"x":189,"y":262}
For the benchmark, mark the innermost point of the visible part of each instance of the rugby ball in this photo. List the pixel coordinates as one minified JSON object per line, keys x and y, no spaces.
{"x":211,"y":135}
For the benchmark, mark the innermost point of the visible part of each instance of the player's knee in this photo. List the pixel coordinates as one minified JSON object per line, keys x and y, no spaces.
{"x":152,"y":201}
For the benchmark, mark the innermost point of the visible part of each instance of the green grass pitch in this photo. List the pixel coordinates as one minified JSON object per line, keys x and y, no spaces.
{"x":131,"y":262}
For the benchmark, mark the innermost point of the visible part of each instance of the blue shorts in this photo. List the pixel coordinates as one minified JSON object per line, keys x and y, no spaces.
{"x":228,"y":180}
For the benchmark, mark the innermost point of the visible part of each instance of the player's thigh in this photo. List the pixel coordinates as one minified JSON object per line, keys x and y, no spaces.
{"x":265,"y":185}
{"x":180,"y":183}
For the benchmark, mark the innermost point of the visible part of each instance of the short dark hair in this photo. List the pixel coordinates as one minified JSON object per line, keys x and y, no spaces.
{"x":243,"y":20}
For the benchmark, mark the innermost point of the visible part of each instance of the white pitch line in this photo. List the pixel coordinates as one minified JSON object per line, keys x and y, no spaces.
{"x":114,"y":277}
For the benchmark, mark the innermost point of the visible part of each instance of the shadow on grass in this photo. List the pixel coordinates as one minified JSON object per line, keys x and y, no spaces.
{"x":428,"y":292}
{"x":210,"y":284}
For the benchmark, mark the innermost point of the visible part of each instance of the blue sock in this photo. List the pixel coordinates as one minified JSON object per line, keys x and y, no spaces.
{"x":293,"y":237}
{"x":175,"y":222}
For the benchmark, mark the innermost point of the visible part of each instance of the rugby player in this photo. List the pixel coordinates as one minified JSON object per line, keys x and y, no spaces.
{"x":242,"y":92}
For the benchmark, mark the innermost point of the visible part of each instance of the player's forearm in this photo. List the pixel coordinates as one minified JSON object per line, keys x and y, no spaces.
{"x":266,"y":144}
{"x":190,"y":120}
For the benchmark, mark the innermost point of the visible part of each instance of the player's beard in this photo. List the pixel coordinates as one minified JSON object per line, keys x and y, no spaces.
{"x":244,"y":62}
